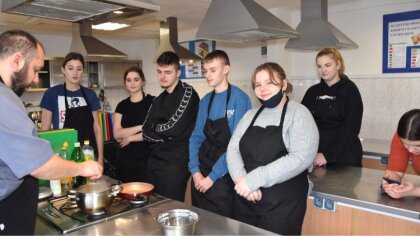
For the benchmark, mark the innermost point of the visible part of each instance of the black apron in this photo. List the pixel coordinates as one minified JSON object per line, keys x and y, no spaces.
{"x":18,"y":210}
{"x":282,"y":207}
{"x":167,"y":169}
{"x":219,"y":197}
{"x":81,"y":119}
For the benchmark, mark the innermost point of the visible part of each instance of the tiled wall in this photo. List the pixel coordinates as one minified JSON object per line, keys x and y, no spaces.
{"x":384,"y":99}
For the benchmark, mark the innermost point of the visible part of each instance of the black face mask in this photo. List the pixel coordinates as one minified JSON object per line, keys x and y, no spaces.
{"x":273,"y":101}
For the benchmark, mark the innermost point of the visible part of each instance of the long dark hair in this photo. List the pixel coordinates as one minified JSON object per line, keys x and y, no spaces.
{"x":409,"y":125}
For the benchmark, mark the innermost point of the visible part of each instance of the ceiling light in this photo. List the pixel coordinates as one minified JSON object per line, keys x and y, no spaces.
{"x":119,"y":12}
{"x":109,"y":26}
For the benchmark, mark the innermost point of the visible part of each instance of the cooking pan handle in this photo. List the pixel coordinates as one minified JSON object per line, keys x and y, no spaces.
{"x":115,"y":190}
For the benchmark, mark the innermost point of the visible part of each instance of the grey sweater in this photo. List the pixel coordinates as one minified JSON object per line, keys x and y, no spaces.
{"x":300,"y":135}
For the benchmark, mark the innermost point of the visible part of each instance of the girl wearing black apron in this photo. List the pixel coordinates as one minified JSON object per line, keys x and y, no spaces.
{"x":81,"y":119}
{"x":218,"y":198}
{"x":282,"y":207}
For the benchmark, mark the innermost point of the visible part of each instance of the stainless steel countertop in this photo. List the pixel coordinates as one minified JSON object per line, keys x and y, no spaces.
{"x":143,"y":222}
{"x":359,"y":187}
{"x":376,"y":147}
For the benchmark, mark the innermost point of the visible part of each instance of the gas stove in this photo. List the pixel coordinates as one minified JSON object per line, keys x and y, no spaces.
{"x":63,"y":213}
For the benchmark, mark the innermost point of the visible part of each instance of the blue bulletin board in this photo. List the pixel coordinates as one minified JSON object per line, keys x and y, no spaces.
{"x":401,"y":42}
{"x":201,"y":47}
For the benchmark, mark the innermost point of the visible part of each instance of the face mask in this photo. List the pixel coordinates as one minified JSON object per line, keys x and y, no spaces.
{"x":273,"y":101}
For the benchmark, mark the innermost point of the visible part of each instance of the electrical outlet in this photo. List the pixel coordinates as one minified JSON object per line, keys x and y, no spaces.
{"x":330,"y":204}
{"x":318,"y":202}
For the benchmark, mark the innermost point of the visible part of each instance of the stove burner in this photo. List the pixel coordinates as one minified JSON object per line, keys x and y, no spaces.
{"x":141,"y":200}
{"x":67,"y":217}
{"x":97,"y":215}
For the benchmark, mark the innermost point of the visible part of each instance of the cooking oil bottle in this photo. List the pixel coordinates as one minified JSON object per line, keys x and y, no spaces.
{"x":67,"y":182}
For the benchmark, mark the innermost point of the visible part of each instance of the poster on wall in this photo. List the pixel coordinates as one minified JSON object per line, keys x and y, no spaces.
{"x":401,"y":42}
{"x":194,"y":69}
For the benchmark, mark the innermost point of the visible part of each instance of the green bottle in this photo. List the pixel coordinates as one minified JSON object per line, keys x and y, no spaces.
{"x":78,"y":156}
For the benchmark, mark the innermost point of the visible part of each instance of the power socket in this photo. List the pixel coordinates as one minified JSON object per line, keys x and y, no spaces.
{"x":318,"y":202}
{"x":330,"y":204}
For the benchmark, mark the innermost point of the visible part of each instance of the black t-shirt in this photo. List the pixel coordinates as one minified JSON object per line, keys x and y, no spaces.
{"x":134,"y":113}
{"x":132,"y":159}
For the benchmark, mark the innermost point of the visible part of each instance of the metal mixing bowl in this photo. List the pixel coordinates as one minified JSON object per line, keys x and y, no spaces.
{"x":178,"y":221}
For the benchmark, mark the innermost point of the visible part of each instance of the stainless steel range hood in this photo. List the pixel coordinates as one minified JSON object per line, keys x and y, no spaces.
{"x":84,"y":43}
{"x":242,"y":20}
{"x":97,"y":11}
{"x":83,"y":13}
{"x":169,"y":40}
{"x":315,"y":30}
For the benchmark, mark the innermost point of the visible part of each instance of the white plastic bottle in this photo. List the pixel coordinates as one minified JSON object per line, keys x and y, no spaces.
{"x":55,"y":185}
{"x":88,"y":151}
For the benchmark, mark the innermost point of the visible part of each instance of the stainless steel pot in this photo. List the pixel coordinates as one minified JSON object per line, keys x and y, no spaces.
{"x":94,"y":198}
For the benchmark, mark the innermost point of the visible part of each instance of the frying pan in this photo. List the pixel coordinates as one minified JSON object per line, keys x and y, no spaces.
{"x":135,"y":191}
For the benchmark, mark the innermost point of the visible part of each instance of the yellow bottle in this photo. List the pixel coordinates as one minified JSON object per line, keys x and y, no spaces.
{"x":66,"y":183}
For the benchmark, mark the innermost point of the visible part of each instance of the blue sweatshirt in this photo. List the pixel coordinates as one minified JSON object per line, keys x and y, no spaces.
{"x":239,"y":104}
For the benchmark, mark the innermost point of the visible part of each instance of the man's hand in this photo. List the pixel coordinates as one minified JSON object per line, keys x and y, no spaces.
{"x":91,"y":169}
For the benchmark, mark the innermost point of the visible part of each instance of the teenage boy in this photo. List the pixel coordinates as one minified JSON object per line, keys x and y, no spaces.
{"x":219,"y":112}
{"x":169,"y":124}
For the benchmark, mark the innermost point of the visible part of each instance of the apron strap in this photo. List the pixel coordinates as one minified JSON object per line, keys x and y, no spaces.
{"x":212,"y":97}
{"x":283,"y":114}
{"x":256,"y":115}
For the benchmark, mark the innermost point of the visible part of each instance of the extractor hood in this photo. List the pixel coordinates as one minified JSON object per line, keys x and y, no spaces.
{"x":169,"y":41}
{"x":242,"y":20}
{"x":96,"y":11}
{"x":84,"y":43}
{"x":315,"y":30}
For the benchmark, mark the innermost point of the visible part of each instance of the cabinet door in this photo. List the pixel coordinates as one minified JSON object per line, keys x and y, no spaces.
{"x":113,"y":72}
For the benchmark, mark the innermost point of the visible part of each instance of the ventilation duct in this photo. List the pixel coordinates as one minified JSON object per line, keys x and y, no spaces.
{"x":169,"y":41}
{"x":242,"y":20}
{"x":315,"y":30}
{"x":84,"y":43}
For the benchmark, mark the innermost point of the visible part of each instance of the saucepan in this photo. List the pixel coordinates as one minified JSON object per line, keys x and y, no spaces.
{"x":135,"y":191}
{"x":94,"y":198}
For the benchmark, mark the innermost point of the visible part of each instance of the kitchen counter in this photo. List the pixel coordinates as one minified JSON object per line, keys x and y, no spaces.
{"x":143,"y":222}
{"x":358,"y":187}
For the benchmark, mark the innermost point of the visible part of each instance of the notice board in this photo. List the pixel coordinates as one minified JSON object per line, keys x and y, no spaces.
{"x":201,"y":47}
{"x":401,"y":42}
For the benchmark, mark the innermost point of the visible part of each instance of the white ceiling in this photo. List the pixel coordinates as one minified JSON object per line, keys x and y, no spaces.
{"x":189,"y":13}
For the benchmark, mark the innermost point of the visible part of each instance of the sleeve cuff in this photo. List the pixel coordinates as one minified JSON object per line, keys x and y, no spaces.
{"x":253,"y":185}
{"x":194,"y":170}
{"x":213,"y":177}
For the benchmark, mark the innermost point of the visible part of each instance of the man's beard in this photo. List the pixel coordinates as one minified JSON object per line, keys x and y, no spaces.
{"x":19,"y":81}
